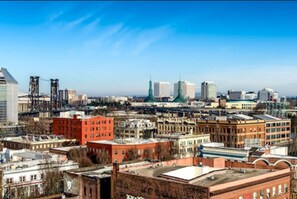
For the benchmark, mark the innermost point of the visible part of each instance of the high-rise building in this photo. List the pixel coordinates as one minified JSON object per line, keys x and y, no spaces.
{"x":267,"y":94}
{"x":8,"y":97}
{"x":251,"y":95}
{"x":187,"y":89}
{"x":162,"y":89}
{"x":208,"y":90}
{"x":236,"y":95}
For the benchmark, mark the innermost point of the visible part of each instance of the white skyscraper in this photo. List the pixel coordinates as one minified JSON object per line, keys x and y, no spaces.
{"x":162,"y":89}
{"x":8,"y":97}
{"x":188,"y":89}
{"x":267,"y":94}
{"x":208,"y":90}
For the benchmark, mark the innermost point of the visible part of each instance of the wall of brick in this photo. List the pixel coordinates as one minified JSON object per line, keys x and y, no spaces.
{"x":139,"y":186}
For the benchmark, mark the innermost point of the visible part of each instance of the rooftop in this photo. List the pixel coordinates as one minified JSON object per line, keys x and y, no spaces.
{"x":36,"y":138}
{"x":267,"y":117}
{"x":202,"y":176}
{"x":127,"y":141}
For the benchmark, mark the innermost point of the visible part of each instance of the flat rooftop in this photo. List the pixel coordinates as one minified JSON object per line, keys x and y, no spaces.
{"x":200,"y":176}
{"x":127,"y":141}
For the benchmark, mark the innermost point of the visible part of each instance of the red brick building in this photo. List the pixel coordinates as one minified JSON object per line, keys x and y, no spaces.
{"x":179,"y":180}
{"x":84,"y":129}
{"x":122,"y":149}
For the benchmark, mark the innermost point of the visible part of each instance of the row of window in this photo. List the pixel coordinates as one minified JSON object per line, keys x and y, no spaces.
{"x":98,"y":122}
{"x":227,"y":130}
{"x":23,"y":178}
{"x":270,"y":193}
{"x":272,"y":130}
{"x":278,"y":124}
{"x":277,"y":136}
{"x":98,"y":135}
{"x":175,"y":128}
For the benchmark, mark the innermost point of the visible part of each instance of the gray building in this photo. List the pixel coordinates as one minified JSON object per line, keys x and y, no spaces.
{"x":8,"y":97}
{"x":208,"y":90}
{"x":162,"y":89}
{"x":236,"y":95}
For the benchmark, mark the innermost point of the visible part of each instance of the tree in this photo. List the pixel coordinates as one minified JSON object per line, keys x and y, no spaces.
{"x":52,"y":179}
{"x":164,"y":152}
{"x":102,"y":157}
{"x":147,"y":153}
{"x":131,"y":154}
{"x":80,"y":155}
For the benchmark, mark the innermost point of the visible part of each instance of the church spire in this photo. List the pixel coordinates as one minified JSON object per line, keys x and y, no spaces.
{"x":179,"y":97}
{"x":150,"y":97}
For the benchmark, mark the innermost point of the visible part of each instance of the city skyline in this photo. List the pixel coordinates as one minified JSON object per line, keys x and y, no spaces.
{"x":104,"y":48}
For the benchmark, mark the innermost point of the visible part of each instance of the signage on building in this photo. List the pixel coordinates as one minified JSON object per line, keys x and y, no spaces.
{"x":133,"y":197}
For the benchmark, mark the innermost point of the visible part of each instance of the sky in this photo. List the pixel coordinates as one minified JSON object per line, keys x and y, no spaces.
{"x":113,"y":48}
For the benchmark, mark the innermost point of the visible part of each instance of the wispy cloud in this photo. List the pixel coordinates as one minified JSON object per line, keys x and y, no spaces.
{"x":92,"y":25}
{"x":77,"y":22}
{"x":52,"y":17}
{"x":146,"y":38}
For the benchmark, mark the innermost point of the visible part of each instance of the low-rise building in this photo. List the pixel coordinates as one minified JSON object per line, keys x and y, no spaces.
{"x":241,"y":104}
{"x":91,"y":182}
{"x":24,"y":172}
{"x":36,"y":142}
{"x":185,"y":145}
{"x":135,"y":128}
{"x":171,"y":125}
{"x":277,"y":130}
{"x":84,"y":128}
{"x":234,"y":132}
{"x":130,"y":149}
{"x":179,"y":180}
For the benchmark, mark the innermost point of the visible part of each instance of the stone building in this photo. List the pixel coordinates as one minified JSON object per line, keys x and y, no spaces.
{"x":135,"y":128}
{"x":171,"y":125}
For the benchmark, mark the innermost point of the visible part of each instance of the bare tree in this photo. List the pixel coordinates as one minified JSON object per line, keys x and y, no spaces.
{"x":80,"y":155}
{"x":131,"y":154}
{"x":52,"y":179}
{"x":147,"y":153}
{"x":102,"y":157}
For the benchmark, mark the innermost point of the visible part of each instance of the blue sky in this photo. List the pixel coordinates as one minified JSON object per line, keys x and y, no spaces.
{"x":112,"y":48}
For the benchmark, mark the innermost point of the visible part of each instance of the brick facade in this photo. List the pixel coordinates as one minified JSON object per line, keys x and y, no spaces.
{"x":120,"y":152}
{"x":232,"y":132}
{"x":84,"y":129}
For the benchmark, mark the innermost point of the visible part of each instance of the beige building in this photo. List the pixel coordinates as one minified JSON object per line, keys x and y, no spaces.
{"x":36,"y":142}
{"x":171,"y":125}
{"x":240,"y":104}
{"x":277,"y":130}
{"x":135,"y":128}
{"x":186,"y":145}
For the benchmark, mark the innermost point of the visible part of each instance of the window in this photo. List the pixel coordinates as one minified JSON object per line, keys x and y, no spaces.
{"x":9,"y":180}
{"x":261,"y":194}
{"x":115,"y":152}
{"x":22,"y":178}
{"x":123,"y":152}
{"x":85,"y":191}
{"x":279,"y":189}
{"x":33,"y":177}
{"x":286,"y":188}
{"x":41,"y":176}
{"x":255,"y":194}
{"x":90,"y":193}
{"x":267,"y":193}
{"x":273,"y":191}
